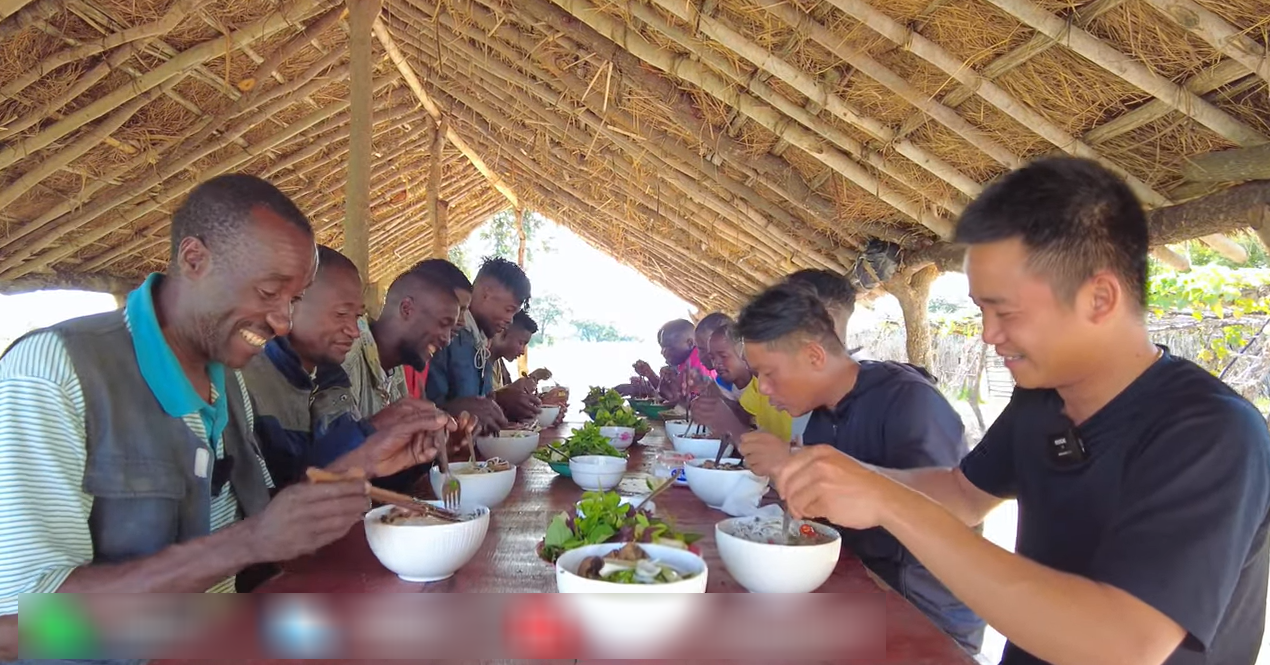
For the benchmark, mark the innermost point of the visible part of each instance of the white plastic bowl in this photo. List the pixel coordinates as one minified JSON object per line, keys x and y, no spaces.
{"x":547,"y":417}
{"x":700,"y":448}
{"x":619,"y":437}
{"x":425,"y":553}
{"x":713,"y":485}
{"x":597,"y":473}
{"x":650,"y":507}
{"x":567,"y":580}
{"x":478,"y":489}
{"x":515,"y":446}
{"x":768,"y":568}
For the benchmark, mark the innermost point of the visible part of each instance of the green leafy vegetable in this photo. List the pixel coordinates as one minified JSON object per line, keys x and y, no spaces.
{"x":606,"y":519}
{"x":586,"y":440}
{"x":602,"y":399}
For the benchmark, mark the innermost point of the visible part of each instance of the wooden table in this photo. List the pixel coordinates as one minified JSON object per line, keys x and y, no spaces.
{"x":508,"y":563}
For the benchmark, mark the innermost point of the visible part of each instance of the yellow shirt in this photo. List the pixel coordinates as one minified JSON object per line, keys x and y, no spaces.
{"x":767,"y":417}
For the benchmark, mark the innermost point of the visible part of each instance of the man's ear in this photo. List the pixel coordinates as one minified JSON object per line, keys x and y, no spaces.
{"x":815,"y":355}
{"x":193,"y":258}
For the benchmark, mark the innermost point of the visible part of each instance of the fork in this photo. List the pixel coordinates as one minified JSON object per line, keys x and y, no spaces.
{"x":451,"y":490}
{"x":794,"y":446}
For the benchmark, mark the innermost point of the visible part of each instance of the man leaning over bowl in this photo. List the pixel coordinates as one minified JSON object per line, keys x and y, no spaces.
{"x":148,"y":477}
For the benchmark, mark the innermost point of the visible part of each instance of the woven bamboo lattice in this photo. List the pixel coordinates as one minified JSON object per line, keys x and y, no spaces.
{"x":712,"y":145}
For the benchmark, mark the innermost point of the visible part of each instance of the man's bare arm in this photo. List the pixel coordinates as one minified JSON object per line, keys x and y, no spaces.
{"x":948,"y":487}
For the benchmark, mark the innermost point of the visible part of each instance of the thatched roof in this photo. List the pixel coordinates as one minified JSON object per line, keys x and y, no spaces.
{"x":712,"y":145}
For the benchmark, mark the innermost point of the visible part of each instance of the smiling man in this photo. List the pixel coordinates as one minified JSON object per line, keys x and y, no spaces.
{"x":126,"y":447}
{"x":1143,"y":481}
{"x":885,"y":413}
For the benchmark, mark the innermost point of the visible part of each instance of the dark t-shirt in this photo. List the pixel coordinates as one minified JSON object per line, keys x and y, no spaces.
{"x":896,"y":418}
{"x":1170,"y":504}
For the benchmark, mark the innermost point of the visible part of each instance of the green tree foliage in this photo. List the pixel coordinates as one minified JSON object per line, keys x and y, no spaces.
{"x":594,"y":331}
{"x":549,"y":312}
{"x":500,"y":232}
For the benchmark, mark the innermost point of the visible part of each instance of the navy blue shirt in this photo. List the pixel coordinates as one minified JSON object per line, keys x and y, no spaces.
{"x":895,"y":417}
{"x":1170,"y":504}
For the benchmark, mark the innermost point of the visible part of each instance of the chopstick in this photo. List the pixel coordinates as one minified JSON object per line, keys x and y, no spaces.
{"x":387,"y":496}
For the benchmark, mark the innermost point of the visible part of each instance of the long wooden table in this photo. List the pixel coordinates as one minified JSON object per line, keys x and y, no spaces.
{"x":508,"y":563}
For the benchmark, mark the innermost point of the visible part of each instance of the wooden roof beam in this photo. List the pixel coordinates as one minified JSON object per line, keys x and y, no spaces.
{"x":767,"y":116}
{"x":1234,"y":165}
{"x":1132,"y":72}
{"x":684,"y":179}
{"x":1213,"y":29}
{"x":407,"y":74}
{"x":1016,"y":57}
{"x":822,"y":128}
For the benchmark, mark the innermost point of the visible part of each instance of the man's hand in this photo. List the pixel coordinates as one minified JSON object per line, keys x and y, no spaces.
{"x":489,"y":414}
{"x":645,"y":370}
{"x":461,"y":438}
{"x":526,"y":384}
{"x":305,"y":517}
{"x":820,"y":481}
{"x":401,"y":410}
{"x":714,"y":413}
{"x":518,"y":404}
{"x":406,"y":444}
{"x":700,"y":385}
{"x":670,"y":385}
{"x":764,"y":453}
{"x":541,"y":374}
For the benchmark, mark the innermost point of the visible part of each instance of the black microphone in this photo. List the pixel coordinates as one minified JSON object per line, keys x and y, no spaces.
{"x":1067,"y":449}
{"x":220,"y":473}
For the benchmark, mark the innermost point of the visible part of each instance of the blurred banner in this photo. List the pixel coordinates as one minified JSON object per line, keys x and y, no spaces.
{"x":837,"y":627}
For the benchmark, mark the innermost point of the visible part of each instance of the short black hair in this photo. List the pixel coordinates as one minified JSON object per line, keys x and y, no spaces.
{"x":786,"y":310}
{"x":713,"y":321}
{"x":523,"y":321}
{"x":676,"y":326}
{"x":727,"y":331}
{"x":509,"y":275}
{"x":834,"y":290}
{"x":330,"y":259}
{"x":430,"y":277}
{"x":1075,"y":218}
{"x":445,"y":271}
{"x":219,"y":210}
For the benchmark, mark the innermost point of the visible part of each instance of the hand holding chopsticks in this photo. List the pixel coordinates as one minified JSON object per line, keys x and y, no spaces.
{"x":385,"y":496}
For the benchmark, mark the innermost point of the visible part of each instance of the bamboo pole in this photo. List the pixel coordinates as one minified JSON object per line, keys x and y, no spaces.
{"x":440,"y":239}
{"x":86,"y":142}
{"x":22,"y":18}
{"x":248,"y":155}
{"x":1016,"y":57}
{"x":1229,"y":165}
{"x":696,"y":74}
{"x":1131,"y":71}
{"x":1210,"y":27}
{"x":771,"y":171}
{"x":671,"y":150}
{"x":1207,"y":81}
{"x":836,"y":105}
{"x":177,"y":66}
{"x":407,"y":74}
{"x":821,"y":97}
{"x":357,"y":214}
{"x":175,"y":13}
{"x":82,"y":83}
{"x":862,"y":62}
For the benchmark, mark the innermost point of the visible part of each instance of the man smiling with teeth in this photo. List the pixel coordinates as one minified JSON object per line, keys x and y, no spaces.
{"x":1143,"y":481}
{"x":149,"y":478}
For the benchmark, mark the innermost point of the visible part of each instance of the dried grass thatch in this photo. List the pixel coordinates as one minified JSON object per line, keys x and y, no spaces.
{"x":713,"y":146}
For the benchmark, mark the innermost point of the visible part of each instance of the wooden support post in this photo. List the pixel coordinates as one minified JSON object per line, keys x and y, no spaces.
{"x":121,"y":300}
{"x":440,"y":234}
{"x":361,"y":16}
{"x":1263,"y":230}
{"x":520,"y":261}
{"x":375,"y":292}
{"x":913,"y":293}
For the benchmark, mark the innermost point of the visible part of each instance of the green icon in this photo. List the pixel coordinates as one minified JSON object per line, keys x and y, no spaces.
{"x":55,"y":626}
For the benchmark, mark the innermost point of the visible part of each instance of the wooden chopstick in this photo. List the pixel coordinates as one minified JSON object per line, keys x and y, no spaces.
{"x":387,"y":496}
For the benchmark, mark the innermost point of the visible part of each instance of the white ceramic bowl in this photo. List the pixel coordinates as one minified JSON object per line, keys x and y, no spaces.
{"x":547,"y":417}
{"x":700,"y":448}
{"x":713,"y":485}
{"x":650,"y":507}
{"x":768,"y":568}
{"x":478,"y":489}
{"x":597,"y":473}
{"x":680,"y":427}
{"x":567,"y":580}
{"x":425,"y":553}
{"x":619,"y":437}
{"x":515,"y":446}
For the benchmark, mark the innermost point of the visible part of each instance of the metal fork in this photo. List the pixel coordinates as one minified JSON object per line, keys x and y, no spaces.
{"x":451,"y":490}
{"x":794,"y":446}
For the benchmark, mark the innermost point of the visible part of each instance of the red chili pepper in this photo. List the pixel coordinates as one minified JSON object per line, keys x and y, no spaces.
{"x":806,"y":530}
